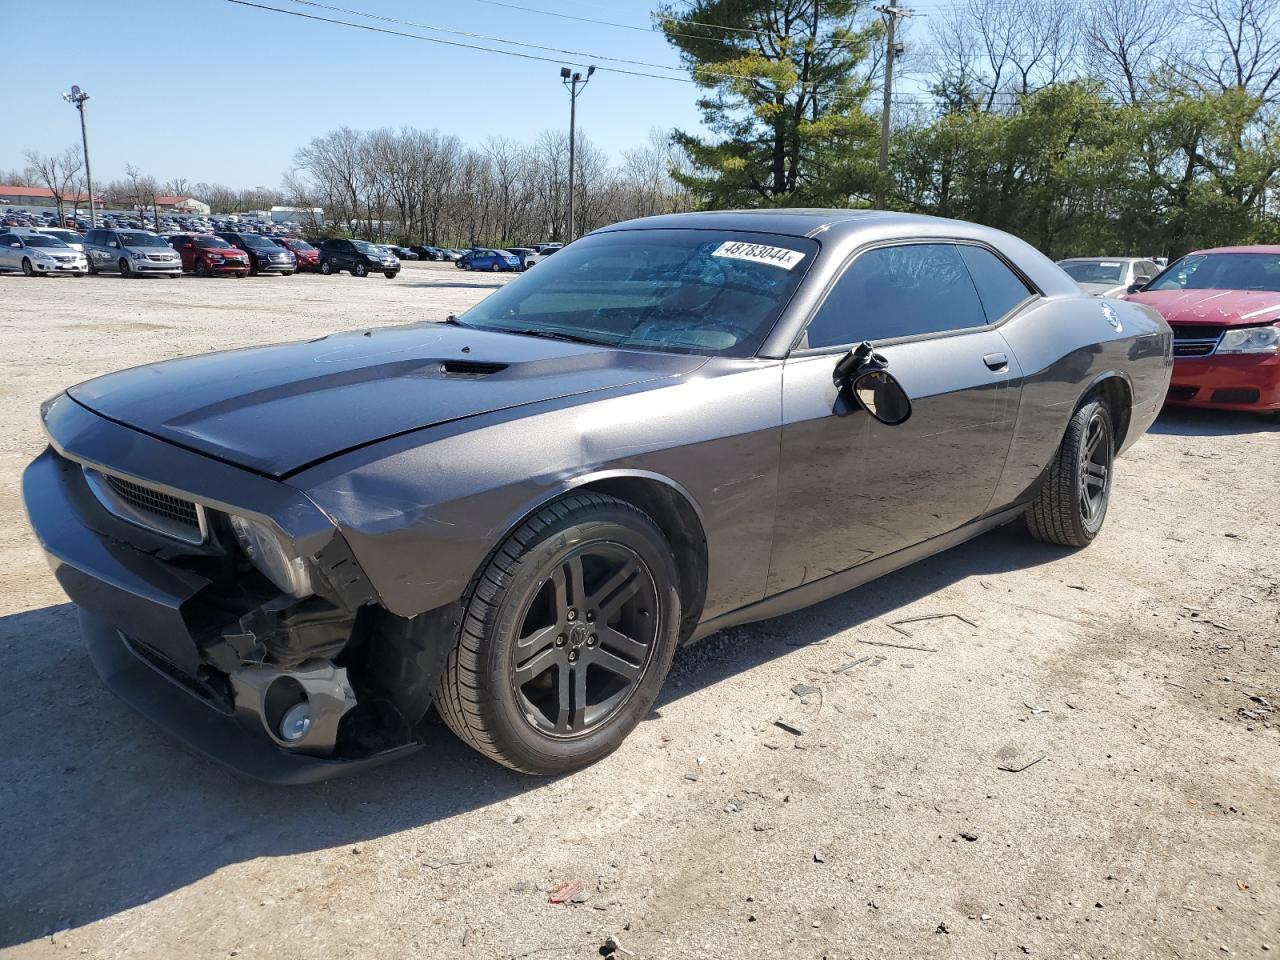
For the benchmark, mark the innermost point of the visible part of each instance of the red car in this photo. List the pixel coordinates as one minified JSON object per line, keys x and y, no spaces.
{"x":208,"y":256}
{"x":1224,"y":307}
{"x":308,"y":256}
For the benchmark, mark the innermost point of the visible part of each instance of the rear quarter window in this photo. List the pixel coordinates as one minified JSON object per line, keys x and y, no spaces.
{"x":999,"y":288}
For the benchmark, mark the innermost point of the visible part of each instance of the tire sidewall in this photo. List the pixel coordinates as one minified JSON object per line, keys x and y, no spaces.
{"x":524,"y":746}
{"x":1084,"y":415}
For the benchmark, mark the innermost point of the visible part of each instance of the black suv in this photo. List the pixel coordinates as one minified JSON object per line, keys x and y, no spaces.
{"x":265,"y":256}
{"x":358,"y":257}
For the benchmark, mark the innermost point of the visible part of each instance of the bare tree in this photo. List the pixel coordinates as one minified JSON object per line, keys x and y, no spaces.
{"x":1125,"y":41}
{"x":1238,"y":48}
{"x":57,"y":173}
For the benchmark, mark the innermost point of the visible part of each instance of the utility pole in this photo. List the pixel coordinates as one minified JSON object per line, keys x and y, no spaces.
{"x":891,"y":14}
{"x":572,"y":82}
{"x":78,"y":97}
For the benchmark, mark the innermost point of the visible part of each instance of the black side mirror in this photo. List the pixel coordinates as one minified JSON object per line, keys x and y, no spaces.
{"x":1135,"y":286}
{"x":882,"y":396}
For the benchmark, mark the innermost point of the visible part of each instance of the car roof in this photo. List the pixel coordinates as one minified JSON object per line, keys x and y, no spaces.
{"x":843,"y":232}
{"x":1265,"y":248}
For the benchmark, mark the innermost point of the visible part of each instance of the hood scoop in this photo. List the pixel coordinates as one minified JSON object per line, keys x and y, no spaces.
{"x":470,"y":368}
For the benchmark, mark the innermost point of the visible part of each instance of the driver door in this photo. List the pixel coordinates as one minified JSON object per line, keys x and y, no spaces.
{"x":852,"y":489}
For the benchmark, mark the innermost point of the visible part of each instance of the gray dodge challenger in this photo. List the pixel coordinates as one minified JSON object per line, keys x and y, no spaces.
{"x":287,"y":555}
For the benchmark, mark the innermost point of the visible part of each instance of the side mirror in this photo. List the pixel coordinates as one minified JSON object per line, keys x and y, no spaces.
{"x":882,"y":396}
{"x":1141,"y":280}
{"x":1135,"y":286}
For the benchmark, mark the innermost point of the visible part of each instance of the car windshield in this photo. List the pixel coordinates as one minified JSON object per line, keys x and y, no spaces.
{"x":1094,"y":271}
{"x":66,"y":236}
{"x":212,"y":243}
{"x":364,"y":246}
{"x":684,"y":291}
{"x":1222,"y":271}
{"x":42,"y":240}
{"x":300,"y":245}
{"x":257,"y":241}
{"x":142,"y":240}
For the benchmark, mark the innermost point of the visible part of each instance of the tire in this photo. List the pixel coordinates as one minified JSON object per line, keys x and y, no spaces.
{"x":390,"y":274}
{"x":1072,"y":503}
{"x":326,"y":268}
{"x":93,"y":271}
{"x":629,"y":583}
{"x":126,"y":271}
{"x":287,"y":273}
{"x":202,"y":269}
{"x":27,"y":269}
{"x":360,"y":270}
{"x":493,"y":268}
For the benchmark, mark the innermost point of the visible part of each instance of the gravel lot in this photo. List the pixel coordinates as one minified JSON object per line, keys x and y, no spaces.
{"x":1143,"y":671}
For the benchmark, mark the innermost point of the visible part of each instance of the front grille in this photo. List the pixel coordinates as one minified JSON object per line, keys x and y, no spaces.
{"x":147,"y":507}
{"x":1235,"y":395}
{"x":159,"y":258}
{"x":1195,"y":339}
{"x":1183,"y":393}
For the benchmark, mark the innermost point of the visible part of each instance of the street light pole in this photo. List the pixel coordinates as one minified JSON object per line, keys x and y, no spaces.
{"x":572,"y":82}
{"x":78,"y":97}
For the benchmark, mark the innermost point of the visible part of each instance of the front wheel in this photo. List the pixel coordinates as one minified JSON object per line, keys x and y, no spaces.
{"x":1072,"y":503}
{"x":390,"y":274}
{"x":566,"y":637}
{"x":360,"y":270}
{"x":125,"y":270}
{"x":326,"y":268}
{"x":27,"y":269}
{"x":202,"y":269}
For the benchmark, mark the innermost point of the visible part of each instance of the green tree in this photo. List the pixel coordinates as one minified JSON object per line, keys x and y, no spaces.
{"x":785,"y":85}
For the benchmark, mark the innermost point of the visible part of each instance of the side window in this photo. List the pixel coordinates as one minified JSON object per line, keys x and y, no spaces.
{"x":898,"y":291}
{"x":999,"y":288}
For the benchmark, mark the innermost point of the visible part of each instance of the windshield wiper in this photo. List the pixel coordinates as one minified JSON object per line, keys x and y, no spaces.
{"x":548,"y":335}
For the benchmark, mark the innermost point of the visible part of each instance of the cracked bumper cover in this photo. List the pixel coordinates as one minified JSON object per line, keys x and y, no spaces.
{"x":137,"y":610}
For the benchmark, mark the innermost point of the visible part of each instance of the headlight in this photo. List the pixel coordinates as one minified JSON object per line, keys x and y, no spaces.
{"x":1251,"y":340}
{"x":138,"y":256}
{"x":260,"y":544}
{"x":214,"y":258}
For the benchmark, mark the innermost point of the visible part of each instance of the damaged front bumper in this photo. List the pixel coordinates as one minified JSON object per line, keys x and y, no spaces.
{"x":173,"y":632}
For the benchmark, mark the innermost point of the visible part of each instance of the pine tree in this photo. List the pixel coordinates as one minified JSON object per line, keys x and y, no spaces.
{"x":786,"y":87}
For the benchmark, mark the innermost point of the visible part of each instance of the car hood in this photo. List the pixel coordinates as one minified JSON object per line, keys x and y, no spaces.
{"x":1225,"y":307}
{"x":278,"y":409}
{"x":234,"y":253}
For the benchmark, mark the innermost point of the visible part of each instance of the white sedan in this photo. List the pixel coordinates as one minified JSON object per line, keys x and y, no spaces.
{"x":38,"y":254}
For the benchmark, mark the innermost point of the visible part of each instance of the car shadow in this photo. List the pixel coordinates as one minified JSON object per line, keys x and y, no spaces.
{"x":105,"y":812}
{"x":1203,"y":422}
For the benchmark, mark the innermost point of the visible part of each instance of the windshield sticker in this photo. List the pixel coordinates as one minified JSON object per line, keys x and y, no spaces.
{"x":1108,"y":263}
{"x":759,"y":253}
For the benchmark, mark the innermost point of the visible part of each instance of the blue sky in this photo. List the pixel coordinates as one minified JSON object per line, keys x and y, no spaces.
{"x":215,"y":91}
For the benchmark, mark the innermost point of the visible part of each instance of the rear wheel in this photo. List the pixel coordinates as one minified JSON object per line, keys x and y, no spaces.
{"x":1072,"y":503}
{"x":566,"y":637}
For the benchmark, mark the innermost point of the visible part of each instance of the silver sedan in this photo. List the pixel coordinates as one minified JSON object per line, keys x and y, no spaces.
{"x":38,"y":254}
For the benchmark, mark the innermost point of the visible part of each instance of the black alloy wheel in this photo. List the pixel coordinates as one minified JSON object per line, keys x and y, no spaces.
{"x":125,"y":269}
{"x":566,"y":637}
{"x":1071,"y":505}
{"x":585,"y":639}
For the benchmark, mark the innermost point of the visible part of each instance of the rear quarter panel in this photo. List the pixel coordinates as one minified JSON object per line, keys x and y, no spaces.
{"x":1066,"y":346}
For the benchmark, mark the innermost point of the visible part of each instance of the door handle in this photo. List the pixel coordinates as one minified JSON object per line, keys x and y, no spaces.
{"x":996,"y":361}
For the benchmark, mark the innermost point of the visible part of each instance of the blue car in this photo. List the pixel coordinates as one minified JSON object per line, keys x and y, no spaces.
{"x":492,"y":260}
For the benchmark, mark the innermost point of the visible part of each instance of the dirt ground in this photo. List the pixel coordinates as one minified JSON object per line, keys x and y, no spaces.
{"x":1082,"y":761}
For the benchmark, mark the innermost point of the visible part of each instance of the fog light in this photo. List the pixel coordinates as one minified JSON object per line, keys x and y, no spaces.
{"x":296,"y":722}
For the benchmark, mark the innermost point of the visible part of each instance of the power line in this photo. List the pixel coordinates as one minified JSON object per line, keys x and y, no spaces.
{"x":478,"y":36}
{"x":812,"y":86}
